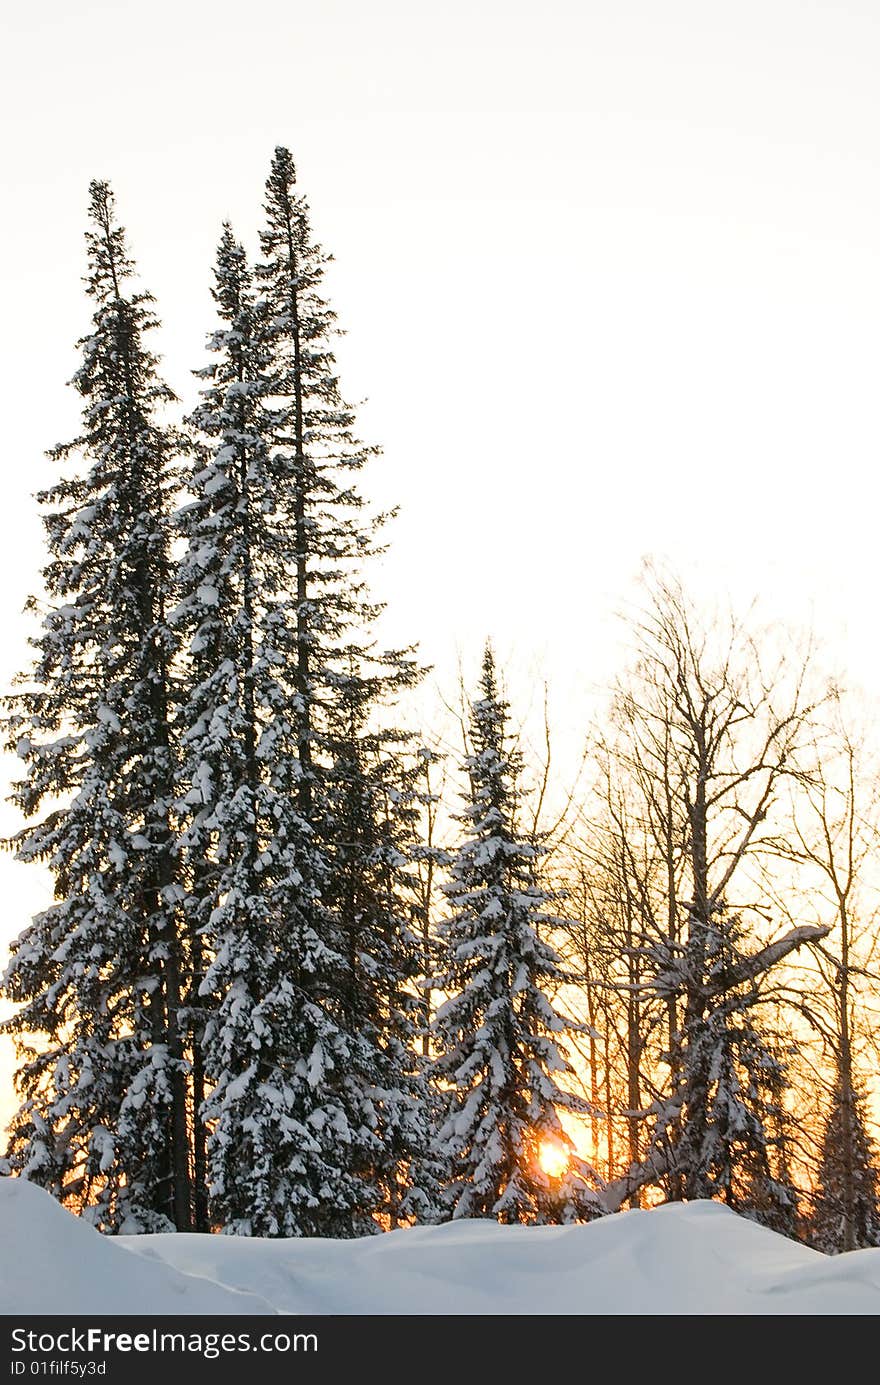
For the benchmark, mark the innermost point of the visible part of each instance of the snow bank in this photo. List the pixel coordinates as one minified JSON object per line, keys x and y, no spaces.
{"x":696,"y":1258}
{"x":52,"y":1262}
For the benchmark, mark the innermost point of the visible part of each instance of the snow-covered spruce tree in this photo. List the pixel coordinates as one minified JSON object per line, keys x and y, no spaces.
{"x":848,"y":1178}
{"x":715,"y":1130}
{"x":340,"y":691}
{"x":275,"y":612}
{"x":98,"y":975}
{"x":233,"y":822}
{"x":497,"y":1035}
{"x":255,"y":876}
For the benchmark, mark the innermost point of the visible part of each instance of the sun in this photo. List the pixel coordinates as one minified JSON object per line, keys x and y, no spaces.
{"x":553,"y":1158}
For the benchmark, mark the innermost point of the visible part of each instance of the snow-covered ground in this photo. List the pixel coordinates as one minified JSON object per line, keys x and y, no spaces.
{"x":696,"y":1258}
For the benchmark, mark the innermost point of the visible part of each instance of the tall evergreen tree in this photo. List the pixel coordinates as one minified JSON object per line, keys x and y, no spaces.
{"x":234,"y":818}
{"x":98,"y":975}
{"x":256,"y":877}
{"x":317,"y":457}
{"x":295,"y":816}
{"x":498,"y":1034}
{"x":848,"y":1184}
{"x":340,"y":690}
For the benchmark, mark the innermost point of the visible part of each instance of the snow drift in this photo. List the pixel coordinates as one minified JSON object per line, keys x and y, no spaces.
{"x":697,"y":1258}
{"x":52,"y":1262}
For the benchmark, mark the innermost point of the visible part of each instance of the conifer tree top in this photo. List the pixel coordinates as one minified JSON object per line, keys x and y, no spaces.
{"x":488,"y":680}
{"x":108,"y":254}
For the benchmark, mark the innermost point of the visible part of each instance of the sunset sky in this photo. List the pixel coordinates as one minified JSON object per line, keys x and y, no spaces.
{"x":609,"y":272}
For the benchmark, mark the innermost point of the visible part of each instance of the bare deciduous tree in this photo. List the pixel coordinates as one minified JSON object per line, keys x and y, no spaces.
{"x":709,"y":726}
{"x":831,"y":846}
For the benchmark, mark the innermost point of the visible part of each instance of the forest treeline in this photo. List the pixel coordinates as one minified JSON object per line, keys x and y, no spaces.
{"x":304,"y":974}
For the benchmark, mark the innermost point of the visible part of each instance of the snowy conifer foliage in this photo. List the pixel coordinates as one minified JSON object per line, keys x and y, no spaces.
{"x":370,"y":832}
{"x":297,"y":816}
{"x":315,"y":458}
{"x":848,"y":1184}
{"x":103,"y":1122}
{"x":238,"y":815}
{"x":717,"y":1134}
{"x":497,"y":1034}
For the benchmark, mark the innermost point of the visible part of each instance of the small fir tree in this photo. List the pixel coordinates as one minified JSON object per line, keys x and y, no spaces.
{"x":770,"y":1195}
{"x":712,"y":1135}
{"x":497,"y":1034}
{"x":848,"y":1183}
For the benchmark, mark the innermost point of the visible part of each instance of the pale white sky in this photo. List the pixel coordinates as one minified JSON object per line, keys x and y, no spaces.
{"x":610,"y":272}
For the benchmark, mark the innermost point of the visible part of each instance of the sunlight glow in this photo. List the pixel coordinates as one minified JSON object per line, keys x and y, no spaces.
{"x":553,"y":1158}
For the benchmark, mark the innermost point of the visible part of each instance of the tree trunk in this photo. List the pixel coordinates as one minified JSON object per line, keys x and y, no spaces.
{"x":304,"y":729}
{"x":846,"y":1090}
